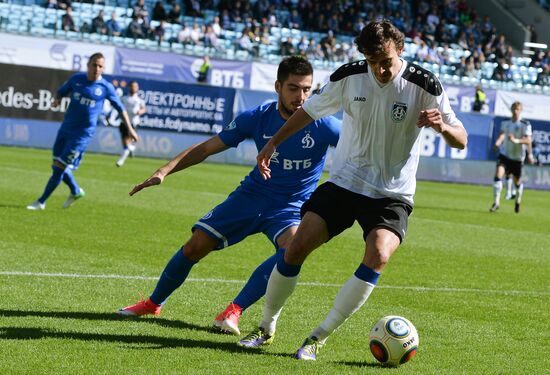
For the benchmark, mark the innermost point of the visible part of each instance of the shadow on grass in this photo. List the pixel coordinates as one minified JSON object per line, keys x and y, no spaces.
{"x":156,"y":342}
{"x":105,"y":317}
{"x":5,"y":205}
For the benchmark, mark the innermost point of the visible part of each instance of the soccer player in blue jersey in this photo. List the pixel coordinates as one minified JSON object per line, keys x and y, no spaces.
{"x":256,"y":206}
{"x":88,"y":92}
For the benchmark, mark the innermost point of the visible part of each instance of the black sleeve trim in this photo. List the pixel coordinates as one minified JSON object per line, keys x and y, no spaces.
{"x":423,"y":78}
{"x":356,"y":67}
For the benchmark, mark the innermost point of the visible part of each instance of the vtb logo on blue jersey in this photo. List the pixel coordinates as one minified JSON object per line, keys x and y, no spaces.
{"x":308,"y":141}
{"x":398,"y":112}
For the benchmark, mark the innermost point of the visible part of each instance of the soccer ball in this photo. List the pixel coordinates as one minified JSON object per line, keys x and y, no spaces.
{"x":393,"y":340}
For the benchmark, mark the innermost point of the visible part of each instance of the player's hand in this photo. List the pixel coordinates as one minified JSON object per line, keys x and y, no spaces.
{"x":530,"y":159}
{"x":135,"y":137}
{"x":155,"y":179}
{"x":56,"y":102}
{"x":512,"y":138}
{"x":431,"y":118}
{"x":263,"y":159}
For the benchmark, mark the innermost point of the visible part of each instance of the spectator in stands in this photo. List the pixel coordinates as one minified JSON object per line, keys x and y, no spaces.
{"x":63,"y":4}
{"x":113,"y":26}
{"x":303,"y":44}
{"x":203,"y":70}
{"x":193,"y":8}
{"x":501,"y":71}
{"x":480,"y":99}
{"x":328,"y":46}
{"x":98,"y":24}
{"x":287,"y":47}
{"x":160,"y":31}
{"x":184,"y":36}
{"x":210,"y":38}
{"x":51,"y":4}
{"x":470,"y":70}
{"x":543,"y":78}
{"x":216,"y":26}
{"x":295,"y":20}
{"x":534,"y":36}
{"x":135,"y":29}
{"x":159,"y":13}
{"x":244,"y":43}
{"x":140,"y":10}
{"x":174,"y":15}
{"x":67,"y":21}
{"x":196,"y":34}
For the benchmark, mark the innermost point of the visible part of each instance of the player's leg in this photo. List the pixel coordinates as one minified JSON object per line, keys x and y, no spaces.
{"x":174,"y":274}
{"x":385,"y":222}
{"x":311,"y":234}
{"x":516,"y":172}
{"x":127,"y":146}
{"x":380,"y":245}
{"x":497,"y":185}
{"x":255,"y":287}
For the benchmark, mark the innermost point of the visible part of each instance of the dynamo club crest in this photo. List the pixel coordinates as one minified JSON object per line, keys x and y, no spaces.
{"x":398,"y":112}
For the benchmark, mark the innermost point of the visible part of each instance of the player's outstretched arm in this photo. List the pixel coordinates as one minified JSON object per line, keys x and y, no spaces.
{"x":190,"y":156}
{"x":455,"y":136}
{"x":297,"y":121}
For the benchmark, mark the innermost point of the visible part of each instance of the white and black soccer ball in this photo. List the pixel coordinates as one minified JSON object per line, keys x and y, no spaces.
{"x":393,"y":340}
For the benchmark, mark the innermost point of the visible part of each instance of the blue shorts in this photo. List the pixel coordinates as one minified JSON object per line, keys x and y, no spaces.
{"x":243,"y":214}
{"x":68,"y":150}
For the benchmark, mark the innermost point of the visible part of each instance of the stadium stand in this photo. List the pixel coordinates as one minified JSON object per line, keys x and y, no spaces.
{"x":448,"y":38}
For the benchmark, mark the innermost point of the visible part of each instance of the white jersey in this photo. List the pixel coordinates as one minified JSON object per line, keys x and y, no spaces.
{"x":379,"y":147}
{"x":519,"y":129}
{"x":133,"y":103}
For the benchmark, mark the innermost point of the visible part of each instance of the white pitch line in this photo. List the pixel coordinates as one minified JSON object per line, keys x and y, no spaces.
{"x":224,"y":281}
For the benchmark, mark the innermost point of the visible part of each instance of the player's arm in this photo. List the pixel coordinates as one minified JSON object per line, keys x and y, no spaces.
{"x":142,"y":109}
{"x":63,"y":91}
{"x":297,"y":121}
{"x":191,"y":156}
{"x":115,"y":101}
{"x":454,"y":135}
{"x":499,"y":140}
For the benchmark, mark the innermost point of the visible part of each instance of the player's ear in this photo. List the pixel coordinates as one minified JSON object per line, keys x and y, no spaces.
{"x":278,"y":87}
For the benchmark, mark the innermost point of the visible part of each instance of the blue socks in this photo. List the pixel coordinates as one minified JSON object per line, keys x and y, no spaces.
{"x":68,"y":178}
{"x":172,"y":277}
{"x":367,"y":274}
{"x":53,"y":182}
{"x":256,"y":285}
{"x":287,"y":270}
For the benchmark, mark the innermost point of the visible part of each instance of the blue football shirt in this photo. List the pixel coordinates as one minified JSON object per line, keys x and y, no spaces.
{"x":298,"y":162}
{"x":86,"y":104}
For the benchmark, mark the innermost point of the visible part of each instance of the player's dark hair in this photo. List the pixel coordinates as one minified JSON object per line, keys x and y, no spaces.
{"x":296,"y":65}
{"x":515,"y":105}
{"x":95,"y":56}
{"x":374,"y":36}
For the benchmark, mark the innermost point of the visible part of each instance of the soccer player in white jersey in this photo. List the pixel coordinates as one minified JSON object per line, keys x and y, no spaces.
{"x":387,"y":104}
{"x":135,"y":106}
{"x":512,"y":141}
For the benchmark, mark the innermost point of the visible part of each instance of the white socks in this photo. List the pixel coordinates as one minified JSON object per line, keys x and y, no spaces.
{"x":497,"y":189}
{"x":279,"y":288}
{"x":350,"y":298}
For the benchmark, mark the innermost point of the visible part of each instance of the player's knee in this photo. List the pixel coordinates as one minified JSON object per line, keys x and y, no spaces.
{"x":296,"y":253}
{"x":199,"y":246}
{"x":378,"y":258}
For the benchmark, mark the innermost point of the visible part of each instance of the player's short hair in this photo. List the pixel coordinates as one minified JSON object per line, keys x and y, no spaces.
{"x":296,"y":65}
{"x":96,"y":56}
{"x":515,"y":105}
{"x":376,"y":34}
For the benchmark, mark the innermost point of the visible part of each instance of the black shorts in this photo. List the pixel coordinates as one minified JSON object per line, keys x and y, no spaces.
{"x":510,"y":166}
{"x":124,"y":130}
{"x":340,"y":208}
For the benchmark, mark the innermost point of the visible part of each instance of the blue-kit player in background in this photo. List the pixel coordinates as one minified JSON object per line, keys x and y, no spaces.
{"x":88,"y":91}
{"x":257,"y":206}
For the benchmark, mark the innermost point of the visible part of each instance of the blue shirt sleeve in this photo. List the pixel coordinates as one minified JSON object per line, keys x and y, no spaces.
{"x":332,"y":126}
{"x":113,"y":97}
{"x":66,"y":87}
{"x":239,"y":129}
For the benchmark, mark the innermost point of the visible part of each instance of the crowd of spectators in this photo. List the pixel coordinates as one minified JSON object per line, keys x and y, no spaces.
{"x":436,"y":29}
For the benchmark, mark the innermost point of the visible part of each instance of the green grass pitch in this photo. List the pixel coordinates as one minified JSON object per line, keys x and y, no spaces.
{"x":475,"y":284}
